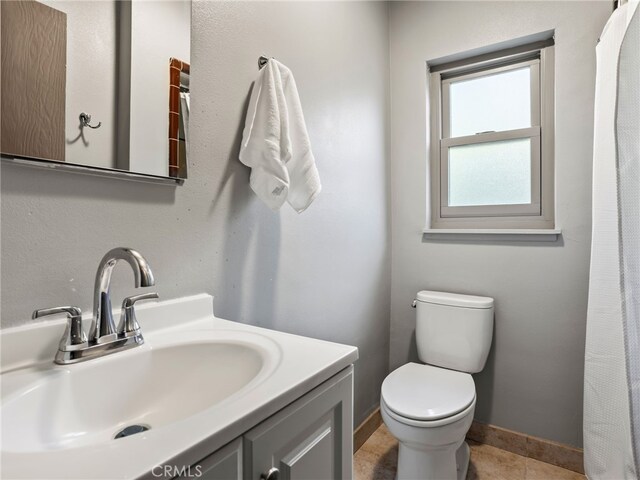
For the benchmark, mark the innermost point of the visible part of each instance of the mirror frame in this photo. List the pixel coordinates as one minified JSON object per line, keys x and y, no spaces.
{"x":174,"y":176}
{"x":90,"y":170}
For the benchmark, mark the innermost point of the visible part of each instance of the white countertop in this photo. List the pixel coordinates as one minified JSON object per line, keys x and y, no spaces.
{"x":299,"y":364}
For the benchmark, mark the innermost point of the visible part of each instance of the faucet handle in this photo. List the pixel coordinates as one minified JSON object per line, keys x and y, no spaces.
{"x":129,"y":301}
{"x":128,"y":324}
{"x":74,"y":337}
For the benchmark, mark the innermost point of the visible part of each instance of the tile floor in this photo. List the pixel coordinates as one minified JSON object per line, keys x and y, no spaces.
{"x":376,"y":460}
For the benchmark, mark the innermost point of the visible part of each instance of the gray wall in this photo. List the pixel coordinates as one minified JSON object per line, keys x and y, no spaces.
{"x":324,"y":273}
{"x":533,"y":380}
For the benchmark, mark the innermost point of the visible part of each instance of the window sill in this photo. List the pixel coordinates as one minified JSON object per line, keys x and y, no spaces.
{"x":481,"y":234}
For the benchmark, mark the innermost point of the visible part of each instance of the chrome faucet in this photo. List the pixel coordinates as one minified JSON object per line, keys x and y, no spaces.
{"x":104,"y":337}
{"x":103,"y":328}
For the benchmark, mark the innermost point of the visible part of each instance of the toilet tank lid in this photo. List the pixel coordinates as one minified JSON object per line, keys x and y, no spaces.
{"x":454,"y":299}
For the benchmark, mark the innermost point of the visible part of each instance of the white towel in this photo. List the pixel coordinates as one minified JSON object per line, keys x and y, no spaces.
{"x":185,"y":106}
{"x":275,"y":143}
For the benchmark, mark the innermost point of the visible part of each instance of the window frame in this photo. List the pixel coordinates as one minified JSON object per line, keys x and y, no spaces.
{"x":540,"y":212}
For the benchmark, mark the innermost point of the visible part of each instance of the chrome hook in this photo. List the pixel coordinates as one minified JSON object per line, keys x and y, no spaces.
{"x":262,"y":61}
{"x":85,"y":120}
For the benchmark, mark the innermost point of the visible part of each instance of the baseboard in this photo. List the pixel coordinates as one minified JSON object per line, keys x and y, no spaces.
{"x":546,"y":451}
{"x":366,"y":429}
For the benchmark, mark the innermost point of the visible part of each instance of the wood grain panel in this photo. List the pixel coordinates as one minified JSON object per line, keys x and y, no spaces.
{"x":34,"y":53}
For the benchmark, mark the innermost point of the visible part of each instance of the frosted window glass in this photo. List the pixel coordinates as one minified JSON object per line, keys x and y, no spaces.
{"x":492,"y":173}
{"x":497,"y":102}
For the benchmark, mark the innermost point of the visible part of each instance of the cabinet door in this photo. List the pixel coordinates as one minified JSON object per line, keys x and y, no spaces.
{"x":33,"y":78}
{"x":311,"y":439}
{"x":224,"y":464}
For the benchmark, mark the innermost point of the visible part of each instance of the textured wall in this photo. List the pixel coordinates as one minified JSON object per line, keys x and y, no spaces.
{"x":324,"y":273}
{"x":533,"y":379}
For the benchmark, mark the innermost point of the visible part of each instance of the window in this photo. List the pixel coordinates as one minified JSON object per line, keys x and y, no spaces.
{"x":492,"y":140}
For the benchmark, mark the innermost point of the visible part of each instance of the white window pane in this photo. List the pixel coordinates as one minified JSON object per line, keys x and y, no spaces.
{"x":492,"y":173}
{"x":497,"y":102}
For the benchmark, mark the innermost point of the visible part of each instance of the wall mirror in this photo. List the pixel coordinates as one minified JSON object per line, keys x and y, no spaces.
{"x":102,"y":85}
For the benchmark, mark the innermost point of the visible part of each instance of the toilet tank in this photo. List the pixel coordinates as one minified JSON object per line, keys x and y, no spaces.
{"x":454,"y":331}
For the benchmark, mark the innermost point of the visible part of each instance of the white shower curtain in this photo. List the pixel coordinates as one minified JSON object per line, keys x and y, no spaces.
{"x":612,"y":357}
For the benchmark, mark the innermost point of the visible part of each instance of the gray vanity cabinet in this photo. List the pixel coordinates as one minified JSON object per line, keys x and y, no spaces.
{"x":310,"y":439}
{"x":225,"y":464}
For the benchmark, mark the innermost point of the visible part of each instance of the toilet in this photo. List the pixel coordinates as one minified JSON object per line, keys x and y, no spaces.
{"x":429,"y":407}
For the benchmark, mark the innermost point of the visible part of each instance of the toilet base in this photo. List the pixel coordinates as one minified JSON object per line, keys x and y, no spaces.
{"x":462,"y":460}
{"x":444,"y":464}
{"x":430,"y":450}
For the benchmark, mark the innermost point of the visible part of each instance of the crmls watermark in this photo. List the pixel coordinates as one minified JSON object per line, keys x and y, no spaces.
{"x":171,"y":471}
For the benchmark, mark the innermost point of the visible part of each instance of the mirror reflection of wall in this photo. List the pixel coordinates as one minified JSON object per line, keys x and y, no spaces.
{"x":91,"y":86}
{"x":160,"y":31}
{"x":117,"y":72}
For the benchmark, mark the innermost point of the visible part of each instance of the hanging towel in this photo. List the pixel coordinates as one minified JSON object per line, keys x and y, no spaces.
{"x":275,"y":142}
{"x":185,"y":106}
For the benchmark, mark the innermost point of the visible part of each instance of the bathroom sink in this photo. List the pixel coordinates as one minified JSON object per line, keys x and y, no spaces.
{"x":165,"y":381}
{"x":197,"y":383}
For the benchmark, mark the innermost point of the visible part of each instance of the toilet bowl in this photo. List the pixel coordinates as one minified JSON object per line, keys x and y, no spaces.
{"x":433,"y":424}
{"x":429,"y":407}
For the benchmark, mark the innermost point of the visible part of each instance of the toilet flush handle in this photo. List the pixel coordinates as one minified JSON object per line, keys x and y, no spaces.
{"x":413,"y":304}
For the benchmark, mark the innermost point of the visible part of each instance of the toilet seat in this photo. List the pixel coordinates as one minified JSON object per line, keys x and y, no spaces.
{"x":427,"y":424}
{"x":424,"y":393}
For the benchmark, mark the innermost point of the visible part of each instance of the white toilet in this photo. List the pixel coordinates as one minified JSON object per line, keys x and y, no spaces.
{"x":429,"y":408}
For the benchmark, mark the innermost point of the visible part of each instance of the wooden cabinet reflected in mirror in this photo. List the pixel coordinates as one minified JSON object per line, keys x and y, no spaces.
{"x":88,"y":84}
{"x":33,"y":80}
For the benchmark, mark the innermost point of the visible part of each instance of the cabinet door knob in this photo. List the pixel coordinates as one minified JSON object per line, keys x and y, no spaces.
{"x":272,"y":474}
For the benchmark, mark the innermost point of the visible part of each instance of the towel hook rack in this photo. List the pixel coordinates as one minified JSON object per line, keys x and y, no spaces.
{"x":85,"y":120}
{"x":262,"y":61}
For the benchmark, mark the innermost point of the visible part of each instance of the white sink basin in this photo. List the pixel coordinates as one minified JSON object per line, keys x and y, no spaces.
{"x":84,"y":404}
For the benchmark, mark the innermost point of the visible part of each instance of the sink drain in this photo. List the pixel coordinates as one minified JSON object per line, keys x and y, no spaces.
{"x":131,"y":430}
